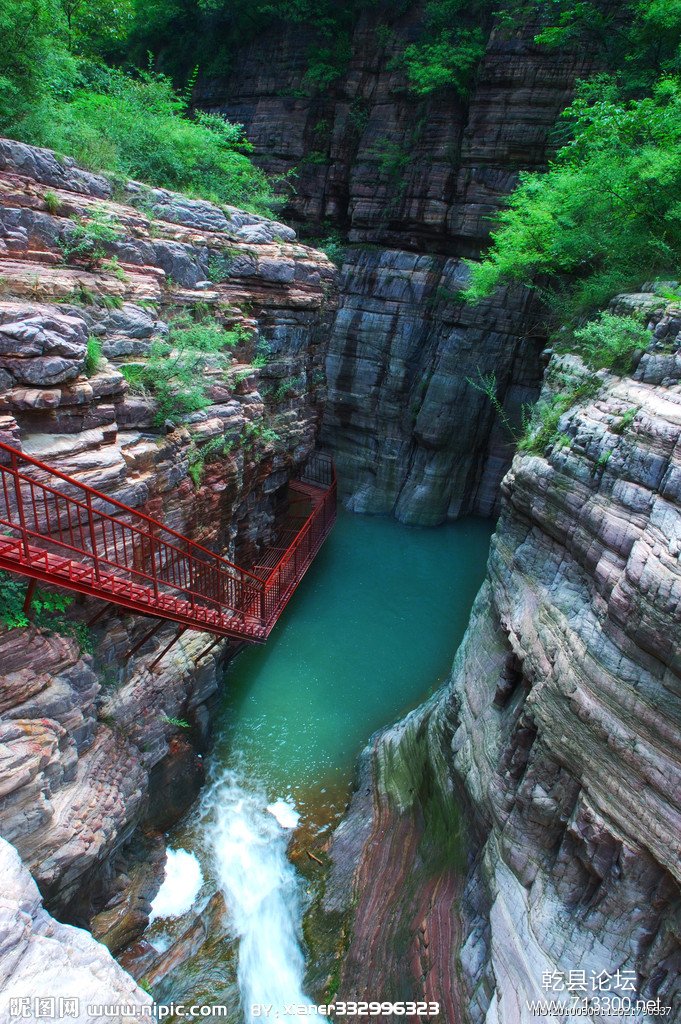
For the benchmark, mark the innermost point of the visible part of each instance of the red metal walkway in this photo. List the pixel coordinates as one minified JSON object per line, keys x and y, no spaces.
{"x":59,"y":531}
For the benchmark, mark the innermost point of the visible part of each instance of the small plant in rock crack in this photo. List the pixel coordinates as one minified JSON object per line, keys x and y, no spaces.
{"x":112,"y":266}
{"x":220,"y":265}
{"x":257,"y":431}
{"x":486,"y":384}
{"x":288,"y":387}
{"x":175,"y":372}
{"x":611,"y":341}
{"x":52,"y":202}
{"x":93,"y":356}
{"x":211,"y":451}
{"x":179,"y":723}
{"x":109,"y":678}
{"x":625,"y":421}
{"x":85,"y":240}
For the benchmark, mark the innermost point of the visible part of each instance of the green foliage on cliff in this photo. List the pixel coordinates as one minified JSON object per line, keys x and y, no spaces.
{"x":451,"y":45}
{"x":637,"y":40}
{"x":56,"y":91}
{"x":606,"y":215}
{"x":93,"y":356}
{"x":47,"y":610}
{"x":86,"y":239}
{"x":541,"y":422}
{"x":611,"y":342}
{"x":175,"y":371}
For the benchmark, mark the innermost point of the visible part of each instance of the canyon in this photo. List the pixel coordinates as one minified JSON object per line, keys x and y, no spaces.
{"x":558,"y":729}
{"x":410,"y":184}
{"x":524,"y":822}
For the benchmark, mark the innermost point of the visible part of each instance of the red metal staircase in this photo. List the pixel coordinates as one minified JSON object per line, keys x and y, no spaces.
{"x":62,"y":532}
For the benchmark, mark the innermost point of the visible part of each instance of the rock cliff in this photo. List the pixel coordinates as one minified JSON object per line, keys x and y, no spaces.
{"x":558,"y":733}
{"x":93,"y":761}
{"x":77,"y":974}
{"x":410,"y":183}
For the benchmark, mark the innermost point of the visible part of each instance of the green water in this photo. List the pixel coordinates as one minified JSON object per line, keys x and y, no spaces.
{"x":372,"y":629}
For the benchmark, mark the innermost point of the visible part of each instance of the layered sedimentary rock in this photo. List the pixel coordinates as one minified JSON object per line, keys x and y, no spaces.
{"x":558,"y":731}
{"x":76,"y":973}
{"x":413,"y":182}
{"x":91,"y":742}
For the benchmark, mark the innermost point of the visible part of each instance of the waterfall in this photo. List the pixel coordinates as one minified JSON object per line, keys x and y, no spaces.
{"x":261,"y":890}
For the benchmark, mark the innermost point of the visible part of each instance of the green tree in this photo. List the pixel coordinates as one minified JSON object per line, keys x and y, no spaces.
{"x":606,"y":215}
{"x":95,"y":27}
{"x":31,"y":53}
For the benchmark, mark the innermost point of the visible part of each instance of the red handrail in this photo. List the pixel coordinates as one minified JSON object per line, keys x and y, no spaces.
{"x":73,"y":540}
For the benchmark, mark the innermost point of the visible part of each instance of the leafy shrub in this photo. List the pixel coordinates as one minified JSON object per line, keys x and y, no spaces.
{"x":137,"y":127}
{"x":47,"y":610}
{"x":258,"y":431}
{"x":541,"y":428}
{"x":112,"y":266}
{"x":327,"y":63}
{"x":610,"y":342}
{"x":541,"y":422}
{"x":219,"y":266}
{"x":206,"y":335}
{"x":288,"y":387}
{"x":625,"y":421}
{"x":448,"y":60}
{"x":606,"y":215}
{"x":333,"y":247}
{"x":52,"y":202}
{"x":391,"y":157}
{"x":86,"y":240}
{"x":199,"y":457}
{"x":175,"y":371}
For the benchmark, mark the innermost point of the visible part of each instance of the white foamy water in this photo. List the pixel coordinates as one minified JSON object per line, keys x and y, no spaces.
{"x":285,"y":812}
{"x":261,"y":891}
{"x":180,"y":885}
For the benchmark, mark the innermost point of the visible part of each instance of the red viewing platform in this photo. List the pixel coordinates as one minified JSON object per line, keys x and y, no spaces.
{"x":62,"y":532}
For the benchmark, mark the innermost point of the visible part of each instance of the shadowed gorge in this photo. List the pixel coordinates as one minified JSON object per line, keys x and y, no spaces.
{"x":433,"y":246}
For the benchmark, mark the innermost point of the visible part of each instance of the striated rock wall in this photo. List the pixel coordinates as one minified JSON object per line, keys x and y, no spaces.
{"x":411,"y":183}
{"x":558,"y":732}
{"x":75,"y":972}
{"x":91,"y":752}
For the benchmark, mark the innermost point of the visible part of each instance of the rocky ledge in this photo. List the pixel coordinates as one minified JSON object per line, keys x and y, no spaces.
{"x":557,"y":734}
{"x":77,"y":974}
{"x":100,"y":752}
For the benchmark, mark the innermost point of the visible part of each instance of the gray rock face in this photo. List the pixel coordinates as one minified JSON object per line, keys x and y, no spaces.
{"x":416,"y":181}
{"x":41,"y":349}
{"x":413,"y":436}
{"x":559,"y":726}
{"x":44,"y":166}
{"x":43,"y":959}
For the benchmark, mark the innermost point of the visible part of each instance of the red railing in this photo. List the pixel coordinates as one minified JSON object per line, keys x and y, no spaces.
{"x":58,"y":530}
{"x":293,"y":564}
